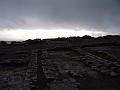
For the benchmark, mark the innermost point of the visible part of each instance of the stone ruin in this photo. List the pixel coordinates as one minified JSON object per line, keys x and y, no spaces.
{"x":59,"y":68}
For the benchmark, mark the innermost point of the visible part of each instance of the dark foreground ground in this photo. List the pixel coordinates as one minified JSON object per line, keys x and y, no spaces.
{"x":61,"y":64}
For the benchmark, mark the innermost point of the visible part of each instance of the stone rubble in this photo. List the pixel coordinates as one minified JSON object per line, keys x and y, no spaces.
{"x":53,"y":69}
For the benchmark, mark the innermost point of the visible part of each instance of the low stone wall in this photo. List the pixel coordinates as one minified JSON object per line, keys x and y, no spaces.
{"x":30,"y":82}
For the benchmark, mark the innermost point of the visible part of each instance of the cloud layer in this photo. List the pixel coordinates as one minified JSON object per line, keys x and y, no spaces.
{"x":101,"y":15}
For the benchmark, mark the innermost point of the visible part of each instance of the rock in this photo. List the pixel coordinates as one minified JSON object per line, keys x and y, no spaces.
{"x":113,"y":74}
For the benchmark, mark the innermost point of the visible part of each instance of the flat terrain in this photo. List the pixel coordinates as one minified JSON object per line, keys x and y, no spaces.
{"x":65,"y":64}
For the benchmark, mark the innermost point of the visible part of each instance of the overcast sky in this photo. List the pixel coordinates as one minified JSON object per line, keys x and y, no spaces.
{"x":91,"y":15}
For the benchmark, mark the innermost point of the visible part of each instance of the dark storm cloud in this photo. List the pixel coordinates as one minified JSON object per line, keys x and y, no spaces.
{"x":76,"y":14}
